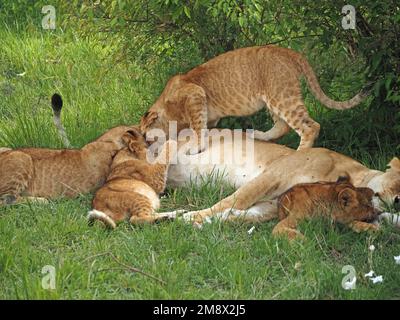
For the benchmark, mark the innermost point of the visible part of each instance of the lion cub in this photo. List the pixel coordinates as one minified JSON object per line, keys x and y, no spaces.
{"x":38,"y":173}
{"x":239,"y":83}
{"x":340,"y":201}
{"x":133,"y":185}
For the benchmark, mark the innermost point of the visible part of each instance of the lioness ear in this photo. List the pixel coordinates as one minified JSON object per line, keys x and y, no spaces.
{"x":395,"y":164}
{"x":343,"y":179}
{"x":346,"y":197}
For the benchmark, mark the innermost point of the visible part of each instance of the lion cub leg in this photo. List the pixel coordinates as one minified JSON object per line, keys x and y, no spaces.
{"x":360,"y":226}
{"x":287,"y":227}
{"x":143,"y":211}
{"x":16,"y":171}
{"x":279,"y":129}
{"x":291,"y":109}
{"x":196,"y":110}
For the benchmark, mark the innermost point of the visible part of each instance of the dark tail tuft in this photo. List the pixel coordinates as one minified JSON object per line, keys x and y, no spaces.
{"x":56,"y":103}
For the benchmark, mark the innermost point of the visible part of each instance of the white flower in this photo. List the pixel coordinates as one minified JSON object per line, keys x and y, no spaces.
{"x":377,"y":279}
{"x":350,"y":284}
{"x":297,"y":266}
{"x":397,"y":259}
{"x":371,"y":247}
{"x":369,"y":274}
{"x":251,"y":230}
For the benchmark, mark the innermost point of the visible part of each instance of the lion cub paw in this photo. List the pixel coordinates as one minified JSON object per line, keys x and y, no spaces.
{"x":360,"y":226}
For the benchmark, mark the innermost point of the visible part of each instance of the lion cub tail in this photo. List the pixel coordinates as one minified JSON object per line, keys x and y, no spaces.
{"x":315,"y":88}
{"x":99,"y":215}
{"x":56,"y":104}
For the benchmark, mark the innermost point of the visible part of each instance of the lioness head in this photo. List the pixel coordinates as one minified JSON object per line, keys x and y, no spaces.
{"x":387,"y":185}
{"x":354,"y":204}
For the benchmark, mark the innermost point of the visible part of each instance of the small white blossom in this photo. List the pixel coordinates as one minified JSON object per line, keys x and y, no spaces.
{"x":377,"y":279}
{"x":369,"y":274}
{"x":397,"y":259}
{"x":351,"y":284}
{"x":251,"y":230}
{"x":371,"y":247}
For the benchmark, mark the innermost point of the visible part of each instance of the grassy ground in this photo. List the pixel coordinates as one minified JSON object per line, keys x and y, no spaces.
{"x":219,"y":261}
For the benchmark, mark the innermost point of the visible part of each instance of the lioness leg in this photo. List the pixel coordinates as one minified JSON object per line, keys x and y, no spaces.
{"x":261,"y":212}
{"x":242,"y":199}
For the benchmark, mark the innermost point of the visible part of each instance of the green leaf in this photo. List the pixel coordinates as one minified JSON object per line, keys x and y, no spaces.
{"x":187,"y":12}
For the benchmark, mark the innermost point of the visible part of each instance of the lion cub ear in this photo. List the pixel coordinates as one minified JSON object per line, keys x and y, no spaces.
{"x":148,"y":119}
{"x":395,"y":164}
{"x":131,"y":137}
{"x":347,"y":197}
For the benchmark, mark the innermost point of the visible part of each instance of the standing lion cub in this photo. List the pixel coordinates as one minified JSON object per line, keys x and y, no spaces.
{"x":239,"y":83}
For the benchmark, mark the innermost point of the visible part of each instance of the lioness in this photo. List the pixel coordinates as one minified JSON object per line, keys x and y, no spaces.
{"x":271,"y":169}
{"x":49,"y":173}
{"x":340,"y":201}
{"x":239,"y":83}
{"x":133,"y":185}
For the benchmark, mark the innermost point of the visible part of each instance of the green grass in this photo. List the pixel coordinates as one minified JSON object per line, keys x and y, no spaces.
{"x":220,"y":261}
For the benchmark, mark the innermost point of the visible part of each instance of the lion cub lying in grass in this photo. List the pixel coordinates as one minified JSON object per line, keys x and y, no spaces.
{"x":340,"y":201}
{"x":39,"y":173}
{"x":133,"y":185}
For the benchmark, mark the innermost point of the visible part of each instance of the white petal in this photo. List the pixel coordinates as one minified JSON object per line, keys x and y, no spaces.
{"x":369,"y":274}
{"x":351,"y":284}
{"x":371,"y":247}
{"x":251,"y":230}
{"x":397,"y":259}
{"x":377,"y":279}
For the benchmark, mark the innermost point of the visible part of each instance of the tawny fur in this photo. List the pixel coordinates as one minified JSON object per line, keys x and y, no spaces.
{"x":340,"y":201}
{"x":133,"y":185}
{"x":49,"y":173}
{"x":270,"y":169}
{"x":239,"y":83}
